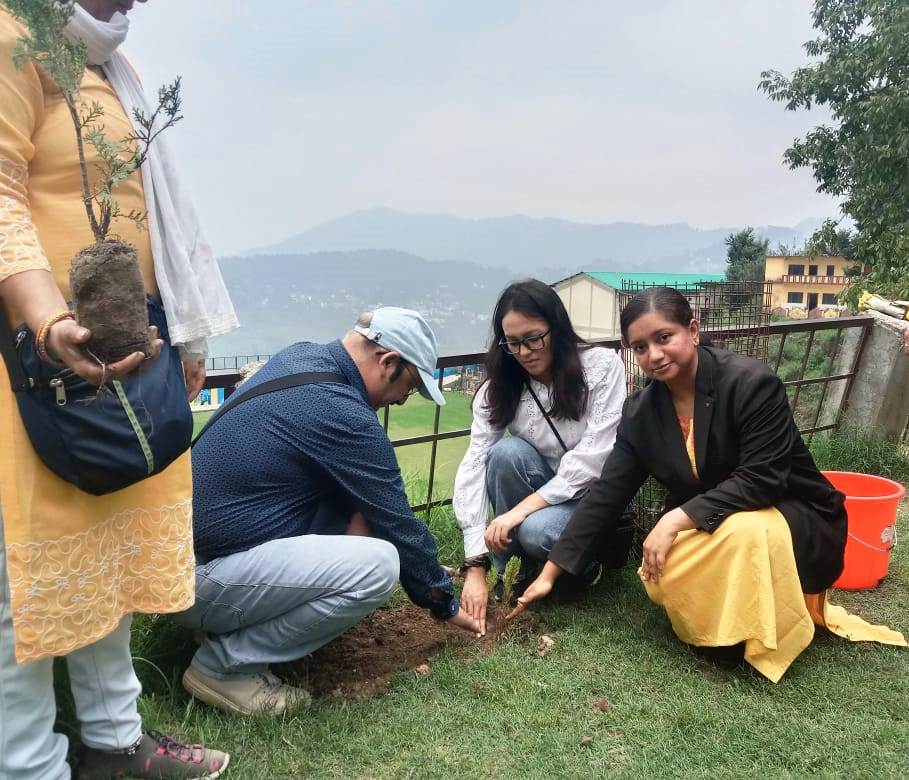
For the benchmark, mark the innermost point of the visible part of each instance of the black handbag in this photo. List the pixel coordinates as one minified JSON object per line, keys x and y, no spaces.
{"x":614,"y":545}
{"x":101,"y":440}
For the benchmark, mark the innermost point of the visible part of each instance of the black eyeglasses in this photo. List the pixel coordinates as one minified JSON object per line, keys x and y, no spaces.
{"x":415,"y":386}
{"x":415,"y":383}
{"x":534,"y":343}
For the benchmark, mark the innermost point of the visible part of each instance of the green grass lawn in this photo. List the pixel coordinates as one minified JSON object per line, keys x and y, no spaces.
{"x":415,"y":418}
{"x":199,"y":420}
{"x":841,"y":710}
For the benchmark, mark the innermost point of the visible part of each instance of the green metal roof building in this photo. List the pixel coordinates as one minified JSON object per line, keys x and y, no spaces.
{"x":592,"y":303}
{"x":617,"y":280}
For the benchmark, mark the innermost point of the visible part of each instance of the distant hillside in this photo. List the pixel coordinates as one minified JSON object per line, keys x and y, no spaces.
{"x":525,"y":244}
{"x":281,"y":299}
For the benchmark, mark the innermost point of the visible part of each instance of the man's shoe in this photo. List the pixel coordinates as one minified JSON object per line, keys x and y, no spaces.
{"x":156,"y":756}
{"x":261,"y":694}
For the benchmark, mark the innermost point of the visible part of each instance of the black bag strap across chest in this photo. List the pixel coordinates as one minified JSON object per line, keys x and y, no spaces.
{"x":547,"y":417}
{"x":272,"y":386}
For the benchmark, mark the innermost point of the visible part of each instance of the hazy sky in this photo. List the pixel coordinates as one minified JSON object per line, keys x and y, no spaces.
{"x":302,"y":110}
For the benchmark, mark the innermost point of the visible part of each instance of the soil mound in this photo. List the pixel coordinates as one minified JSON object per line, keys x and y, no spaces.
{"x":362,"y":661}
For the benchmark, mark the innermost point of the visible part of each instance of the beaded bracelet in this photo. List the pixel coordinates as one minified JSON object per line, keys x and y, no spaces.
{"x":44,"y":331}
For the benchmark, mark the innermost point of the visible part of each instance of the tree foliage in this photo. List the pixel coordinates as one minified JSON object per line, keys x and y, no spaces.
{"x":65,"y":62}
{"x":746,"y":255}
{"x":830,"y":240}
{"x":861,"y":74}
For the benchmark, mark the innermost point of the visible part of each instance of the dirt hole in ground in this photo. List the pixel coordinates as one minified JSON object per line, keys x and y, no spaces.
{"x":362,"y":661}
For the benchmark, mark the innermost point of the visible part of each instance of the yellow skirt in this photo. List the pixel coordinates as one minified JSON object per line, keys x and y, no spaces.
{"x":740,"y":584}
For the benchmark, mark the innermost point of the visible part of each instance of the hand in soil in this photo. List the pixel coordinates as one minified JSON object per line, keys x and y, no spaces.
{"x":475,"y":596}
{"x":538,"y":589}
{"x":466,"y":622}
{"x":66,"y":342}
{"x":194,"y":374}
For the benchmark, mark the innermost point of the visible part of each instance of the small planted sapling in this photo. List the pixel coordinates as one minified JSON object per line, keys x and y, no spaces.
{"x":105,"y":281}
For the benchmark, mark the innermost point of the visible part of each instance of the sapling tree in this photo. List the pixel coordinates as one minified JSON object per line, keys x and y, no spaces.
{"x":105,"y":281}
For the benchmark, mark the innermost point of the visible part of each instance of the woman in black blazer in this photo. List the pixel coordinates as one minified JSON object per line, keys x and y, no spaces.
{"x":750,"y":521}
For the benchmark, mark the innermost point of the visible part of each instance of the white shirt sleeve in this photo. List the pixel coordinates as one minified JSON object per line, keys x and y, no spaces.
{"x":470,"y":500}
{"x":582,"y":464}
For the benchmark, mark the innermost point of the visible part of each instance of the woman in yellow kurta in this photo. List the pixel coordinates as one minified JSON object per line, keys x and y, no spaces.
{"x":75,"y":566}
{"x":750,"y":526}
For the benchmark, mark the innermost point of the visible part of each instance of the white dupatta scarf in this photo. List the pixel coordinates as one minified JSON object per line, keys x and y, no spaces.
{"x":192,"y":289}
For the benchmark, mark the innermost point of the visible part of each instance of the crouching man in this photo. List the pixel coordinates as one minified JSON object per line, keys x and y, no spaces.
{"x":300,"y":519}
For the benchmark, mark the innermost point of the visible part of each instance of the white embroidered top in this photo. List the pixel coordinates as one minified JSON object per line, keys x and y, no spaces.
{"x":589,"y":441}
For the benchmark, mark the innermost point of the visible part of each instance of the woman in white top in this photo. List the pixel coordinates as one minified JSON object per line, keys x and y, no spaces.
{"x":535,"y":477}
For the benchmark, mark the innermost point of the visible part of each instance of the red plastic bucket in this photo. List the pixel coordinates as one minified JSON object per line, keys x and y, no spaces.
{"x":871,"y":506}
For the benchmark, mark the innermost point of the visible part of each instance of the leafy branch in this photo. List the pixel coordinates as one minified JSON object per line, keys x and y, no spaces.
{"x":117,"y":161}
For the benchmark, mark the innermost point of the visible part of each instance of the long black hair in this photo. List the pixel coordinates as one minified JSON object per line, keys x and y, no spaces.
{"x":505,"y":374}
{"x":665,"y":301}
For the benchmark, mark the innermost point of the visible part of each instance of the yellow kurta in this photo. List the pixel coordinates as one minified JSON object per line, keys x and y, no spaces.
{"x":76,"y":562}
{"x":741,"y":584}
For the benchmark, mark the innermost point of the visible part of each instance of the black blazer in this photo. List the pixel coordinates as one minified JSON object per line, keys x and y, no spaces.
{"x":749,"y":455}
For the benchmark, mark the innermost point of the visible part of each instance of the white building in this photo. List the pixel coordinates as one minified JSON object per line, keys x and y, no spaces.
{"x":594,"y":306}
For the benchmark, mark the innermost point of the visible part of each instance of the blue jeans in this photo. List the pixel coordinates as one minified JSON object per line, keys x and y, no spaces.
{"x":285,"y":599}
{"x":514,"y":470}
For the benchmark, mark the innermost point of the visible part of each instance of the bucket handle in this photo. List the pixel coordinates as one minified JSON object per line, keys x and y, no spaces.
{"x":871,"y":546}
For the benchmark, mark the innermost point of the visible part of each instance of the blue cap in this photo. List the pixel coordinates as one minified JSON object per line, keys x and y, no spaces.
{"x":406,"y":332}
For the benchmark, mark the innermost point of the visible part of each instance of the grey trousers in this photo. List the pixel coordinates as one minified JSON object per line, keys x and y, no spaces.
{"x":284,"y":599}
{"x":104,"y":687}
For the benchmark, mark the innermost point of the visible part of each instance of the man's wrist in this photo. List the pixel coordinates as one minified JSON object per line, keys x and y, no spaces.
{"x":445,"y":609}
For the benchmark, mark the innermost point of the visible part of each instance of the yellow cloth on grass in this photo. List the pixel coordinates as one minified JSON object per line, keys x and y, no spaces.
{"x":76,"y":563}
{"x":840,"y":622}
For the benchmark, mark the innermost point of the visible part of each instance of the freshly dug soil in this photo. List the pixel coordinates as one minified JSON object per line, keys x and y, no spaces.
{"x":109,"y":297}
{"x":362,"y":661}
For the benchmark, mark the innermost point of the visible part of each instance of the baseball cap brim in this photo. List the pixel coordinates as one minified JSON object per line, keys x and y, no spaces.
{"x":430,"y":389}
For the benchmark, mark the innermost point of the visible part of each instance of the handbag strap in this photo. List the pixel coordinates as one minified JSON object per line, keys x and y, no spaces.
{"x":17,"y":379}
{"x":271,"y":386}
{"x":546,"y":415}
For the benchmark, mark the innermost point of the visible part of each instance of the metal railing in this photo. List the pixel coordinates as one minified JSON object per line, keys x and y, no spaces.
{"x":235,"y":362}
{"x":840,"y":281}
{"x":808,"y":355}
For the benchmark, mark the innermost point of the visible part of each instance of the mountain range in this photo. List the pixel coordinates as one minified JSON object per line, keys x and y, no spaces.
{"x":311,"y":286}
{"x":525,"y":244}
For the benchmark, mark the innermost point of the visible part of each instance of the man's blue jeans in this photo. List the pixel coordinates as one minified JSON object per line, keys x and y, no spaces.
{"x":285,"y":599}
{"x":514,"y":470}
